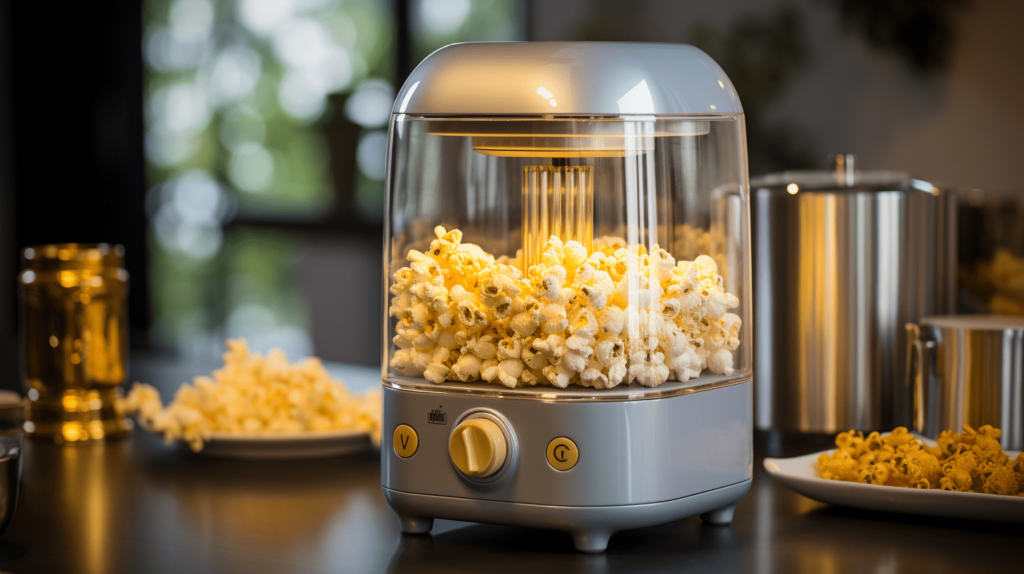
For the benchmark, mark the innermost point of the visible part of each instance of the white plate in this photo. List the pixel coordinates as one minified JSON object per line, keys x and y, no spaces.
{"x":286,"y":447}
{"x":304,"y":446}
{"x":801,"y":474}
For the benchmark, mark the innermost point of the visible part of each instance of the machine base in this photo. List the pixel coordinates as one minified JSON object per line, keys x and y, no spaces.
{"x":590,"y":526}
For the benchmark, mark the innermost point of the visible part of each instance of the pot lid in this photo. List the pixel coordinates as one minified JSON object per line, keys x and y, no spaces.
{"x":844,"y":177}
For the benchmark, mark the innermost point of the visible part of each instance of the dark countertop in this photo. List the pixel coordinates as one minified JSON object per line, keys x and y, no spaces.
{"x":138,"y":506}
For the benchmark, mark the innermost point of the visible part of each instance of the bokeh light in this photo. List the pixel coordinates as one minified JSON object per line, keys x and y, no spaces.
{"x":262,"y":17}
{"x":371,"y":154}
{"x":443,"y":17}
{"x":251,"y":168}
{"x":303,"y":94}
{"x":191,"y":20}
{"x":370,"y":104}
{"x":187,"y":214}
{"x":234,"y":74}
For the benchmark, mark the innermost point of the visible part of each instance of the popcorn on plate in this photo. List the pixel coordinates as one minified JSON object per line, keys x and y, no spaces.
{"x":253,"y":394}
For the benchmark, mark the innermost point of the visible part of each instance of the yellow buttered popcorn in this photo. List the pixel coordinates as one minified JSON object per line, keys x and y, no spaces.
{"x":969,"y":462}
{"x":259,"y":395}
{"x":600,"y":318}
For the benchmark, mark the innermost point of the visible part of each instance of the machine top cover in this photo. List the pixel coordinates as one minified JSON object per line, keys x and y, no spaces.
{"x":567,"y":78}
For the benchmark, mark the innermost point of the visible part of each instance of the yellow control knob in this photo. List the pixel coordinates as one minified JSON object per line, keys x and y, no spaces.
{"x":477,"y":447}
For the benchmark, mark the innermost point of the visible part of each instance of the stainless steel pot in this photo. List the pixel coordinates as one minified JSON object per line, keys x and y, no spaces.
{"x":841,"y":262}
{"x":968,"y":369}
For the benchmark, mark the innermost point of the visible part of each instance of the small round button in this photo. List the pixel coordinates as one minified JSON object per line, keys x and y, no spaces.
{"x":477,"y":447}
{"x":562,"y":454}
{"x":406,"y":441}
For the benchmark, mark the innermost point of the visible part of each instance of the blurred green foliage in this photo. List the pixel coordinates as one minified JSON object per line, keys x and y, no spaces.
{"x":263,"y":113}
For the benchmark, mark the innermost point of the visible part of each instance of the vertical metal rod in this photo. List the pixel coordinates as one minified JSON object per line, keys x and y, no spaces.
{"x":559,"y":201}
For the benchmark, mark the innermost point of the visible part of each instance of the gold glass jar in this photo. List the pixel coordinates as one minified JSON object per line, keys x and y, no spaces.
{"x":74,"y":334}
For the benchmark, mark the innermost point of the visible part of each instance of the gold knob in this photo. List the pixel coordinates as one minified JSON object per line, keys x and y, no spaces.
{"x":477,"y":447}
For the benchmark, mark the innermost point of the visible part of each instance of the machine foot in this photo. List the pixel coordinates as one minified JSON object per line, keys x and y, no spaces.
{"x":591,"y":540}
{"x":415,"y":524}
{"x":721,"y":516}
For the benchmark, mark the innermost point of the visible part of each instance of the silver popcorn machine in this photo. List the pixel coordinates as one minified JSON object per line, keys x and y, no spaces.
{"x":568,"y":292}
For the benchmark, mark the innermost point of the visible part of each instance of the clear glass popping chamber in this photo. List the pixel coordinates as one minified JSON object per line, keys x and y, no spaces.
{"x":567,"y":256}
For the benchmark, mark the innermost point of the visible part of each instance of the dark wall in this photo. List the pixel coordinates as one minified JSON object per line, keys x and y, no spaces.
{"x":8,"y":344}
{"x":76,"y":133}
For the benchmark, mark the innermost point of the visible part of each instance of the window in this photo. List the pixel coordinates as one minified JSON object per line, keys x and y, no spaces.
{"x":267,"y":120}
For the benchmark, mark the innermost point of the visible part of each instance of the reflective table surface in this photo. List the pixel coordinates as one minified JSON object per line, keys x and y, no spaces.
{"x":137,"y":506}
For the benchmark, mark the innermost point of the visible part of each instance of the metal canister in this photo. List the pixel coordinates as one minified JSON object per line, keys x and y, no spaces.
{"x":842,"y":260}
{"x":968,"y":369}
{"x":74,"y":335}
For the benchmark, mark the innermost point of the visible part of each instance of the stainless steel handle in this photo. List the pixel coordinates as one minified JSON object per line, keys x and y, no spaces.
{"x":921,"y":374}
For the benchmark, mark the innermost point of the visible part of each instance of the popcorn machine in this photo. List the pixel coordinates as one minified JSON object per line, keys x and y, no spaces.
{"x":567,"y":285}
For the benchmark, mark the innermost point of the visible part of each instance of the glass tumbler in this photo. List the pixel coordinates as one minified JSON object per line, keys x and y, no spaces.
{"x":74,"y":334}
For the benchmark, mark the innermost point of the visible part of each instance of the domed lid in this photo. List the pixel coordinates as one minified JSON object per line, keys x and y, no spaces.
{"x":567,"y":78}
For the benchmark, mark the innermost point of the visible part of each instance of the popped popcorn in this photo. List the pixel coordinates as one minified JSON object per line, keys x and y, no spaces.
{"x":968,"y":462}
{"x":591,"y":319}
{"x":998,"y":282}
{"x":256,"y":394}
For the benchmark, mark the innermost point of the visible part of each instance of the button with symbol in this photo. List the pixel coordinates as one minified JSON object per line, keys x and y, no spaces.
{"x":406,"y":441}
{"x":562,"y":454}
